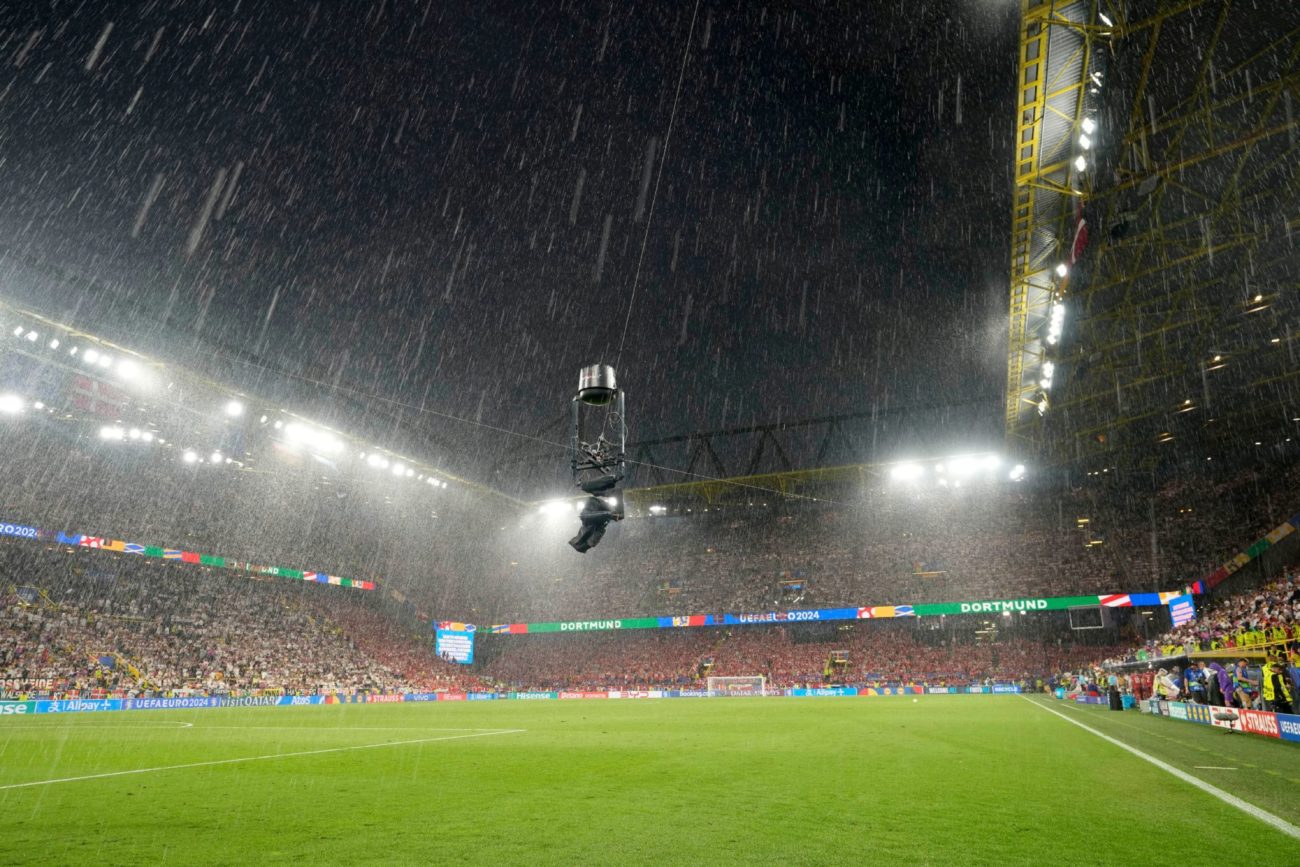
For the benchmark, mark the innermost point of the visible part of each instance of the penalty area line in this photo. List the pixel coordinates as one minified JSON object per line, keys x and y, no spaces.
{"x":214,"y":762}
{"x":1232,"y":800}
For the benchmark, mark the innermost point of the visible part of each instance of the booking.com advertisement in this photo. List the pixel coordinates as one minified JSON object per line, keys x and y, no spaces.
{"x":454,"y":641}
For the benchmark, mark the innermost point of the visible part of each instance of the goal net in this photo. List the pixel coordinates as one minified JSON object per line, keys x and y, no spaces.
{"x":747,"y":685}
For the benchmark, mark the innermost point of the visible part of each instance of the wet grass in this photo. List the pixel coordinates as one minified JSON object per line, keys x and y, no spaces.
{"x":947,"y":779}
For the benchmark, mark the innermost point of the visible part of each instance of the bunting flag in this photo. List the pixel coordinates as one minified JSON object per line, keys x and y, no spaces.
{"x":118,"y":546}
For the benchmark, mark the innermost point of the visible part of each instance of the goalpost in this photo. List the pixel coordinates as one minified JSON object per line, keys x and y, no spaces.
{"x":729,"y":686}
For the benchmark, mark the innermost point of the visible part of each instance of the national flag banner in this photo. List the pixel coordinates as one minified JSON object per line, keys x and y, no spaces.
{"x":1182,"y":610}
{"x":309,"y":576}
{"x":153,"y":551}
{"x":189,"y":557}
{"x":209,"y":560}
{"x":1116,"y":600}
{"x":695,"y":620}
{"x":132,"y":548}
{"x":336,"y":580}
{"x":92,"y":542}
{"x":903,"y":611}
{"x":98,"y":398}
{"x":1144,"y":599}
{"x":69,"y":539}
{"x":500,"y":629}
{"x":1280,"y":532}
{"x":114,"y":545}
{"x":866,"y":613}
{"x":171,"y":554}
{"x":1167,"y":596}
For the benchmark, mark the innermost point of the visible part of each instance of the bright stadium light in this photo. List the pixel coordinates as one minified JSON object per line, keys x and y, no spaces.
{"x":128,"y":369}
{"x":146,"y":436}
{"x":1062,"y":269}
{"x":1089,"y":125}
{"x":90,"y":356}
{"x":18,"y":331}
{"x":398,"y":469}
{"x":54,"y":344}
{"x":105,"y":361}
{"x":1081,"y":162}
{"x":379,"y":462}
{"x":133,"y":433}
{"x":234,"y":409}
{"x":112,"y":432}
{"x":906,"y":472}
{"x":1017,"y":472}
{"x":32,"y":336}
{"x":216,"y":457}
{"x":963,"y":465}
{"x":1085,"y":142}
{"x":1105,"y":19}
{"x":658,"y":510}
{"x":11,"y":404}
{"x":555,"y":508}
{"x":409,"y":472}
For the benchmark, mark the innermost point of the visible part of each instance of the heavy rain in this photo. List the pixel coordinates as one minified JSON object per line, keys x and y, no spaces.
{"x":570,"y":432}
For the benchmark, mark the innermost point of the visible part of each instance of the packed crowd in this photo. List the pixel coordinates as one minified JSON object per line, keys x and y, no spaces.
{"x":863,"y":654}
{"x":84,"y":623}
{"x":1267,"y":615}
{"x":931,"y":546}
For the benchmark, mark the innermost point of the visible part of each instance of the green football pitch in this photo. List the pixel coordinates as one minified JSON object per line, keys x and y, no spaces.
{"x":941,"y":780}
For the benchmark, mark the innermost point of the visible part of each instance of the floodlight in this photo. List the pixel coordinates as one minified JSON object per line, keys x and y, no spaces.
{"x":126,"y":368}
{"x":54,"y":344}
{"x":1062,"y":270}
{"x":189,"y":457}
{"x":1105,"y":19}
{"x":906,"y":472}
{"x":1081,"y":162}
{"x":962,"y":466}
{"x":111,"y":432}
{"x":379,"y":462}
{"x":32,"y":336}
{"x":91,"y":356}
{"x":11,"y":404}
{"x":1017,"y":472}
{"x":18,"y":331}
{"x":1089,"y":125}
{"x":1085,"y":142}
{"x":105,"y":361}
{"x":146,"y":436}
{"x":234,"y":409}
{"x":216,"y":457}
{"x":134,"y":433}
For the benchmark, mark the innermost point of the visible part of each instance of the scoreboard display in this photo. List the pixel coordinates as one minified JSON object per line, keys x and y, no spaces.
{"x":454,"y":641}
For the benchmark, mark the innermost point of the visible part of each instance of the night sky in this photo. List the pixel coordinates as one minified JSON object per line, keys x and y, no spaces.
{"x":444,"y":204}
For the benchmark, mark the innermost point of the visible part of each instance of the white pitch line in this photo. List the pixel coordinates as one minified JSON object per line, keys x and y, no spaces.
{"x":1232,"y":800}
{"x":103,"y":776}
{"x":100,"y":727}
{"x":1212,"y":768}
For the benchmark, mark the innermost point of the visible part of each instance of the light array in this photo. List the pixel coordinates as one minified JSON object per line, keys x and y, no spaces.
{"x":96,"y":364}
{"x":955,"y":471}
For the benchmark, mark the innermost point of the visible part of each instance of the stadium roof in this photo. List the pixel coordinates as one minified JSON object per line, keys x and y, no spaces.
{"x":1058,"y":85}
{"x":1179,"y":316}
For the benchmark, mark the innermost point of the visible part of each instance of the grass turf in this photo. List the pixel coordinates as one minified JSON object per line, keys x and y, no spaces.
{"x":967,"y":779}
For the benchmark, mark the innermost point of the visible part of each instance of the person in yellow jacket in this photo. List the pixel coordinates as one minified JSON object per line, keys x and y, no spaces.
{"x":1273,"y":686}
